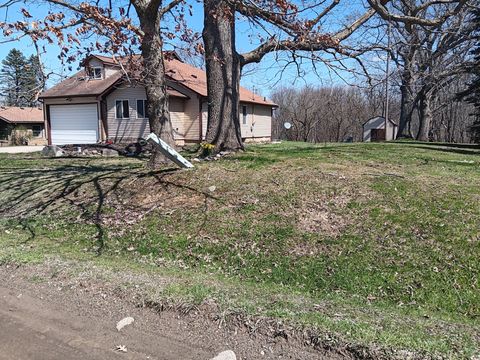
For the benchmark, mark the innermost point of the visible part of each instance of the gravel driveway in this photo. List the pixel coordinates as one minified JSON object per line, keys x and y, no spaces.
{"x":20,"y":149}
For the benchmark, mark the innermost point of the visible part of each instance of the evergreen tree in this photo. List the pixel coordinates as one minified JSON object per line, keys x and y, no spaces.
{"x":472,"y":93}
{"x":34,"y":83}
{"x":21,"y":79}
{"x":12,"y":76}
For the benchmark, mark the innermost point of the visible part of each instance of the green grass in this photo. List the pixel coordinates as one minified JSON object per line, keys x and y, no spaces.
{"x":376,"y":244}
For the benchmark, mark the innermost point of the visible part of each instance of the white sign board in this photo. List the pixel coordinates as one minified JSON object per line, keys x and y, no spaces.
{"x":169,"y":152}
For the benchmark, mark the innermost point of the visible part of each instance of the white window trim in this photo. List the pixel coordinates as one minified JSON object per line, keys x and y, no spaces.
{"x":144,"y":108}
{"x":101,"y":72}
{"x":245,"y":116}
{"x":122,"y":118}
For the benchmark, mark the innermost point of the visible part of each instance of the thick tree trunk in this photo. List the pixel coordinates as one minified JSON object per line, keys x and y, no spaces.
{"x":154,"y":81}
{"x":406,"y":106}
{"x":223,"y":76}
{"x":425,"y":118}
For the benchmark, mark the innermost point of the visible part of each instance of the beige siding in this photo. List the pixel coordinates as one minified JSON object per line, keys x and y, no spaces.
{"x":177,"y":107}
{"x":262,"y":121}
{"x":109,"y":71}
{"x":191,"y":115}
{"x":259,"y":121}
{"x":124,"y":130}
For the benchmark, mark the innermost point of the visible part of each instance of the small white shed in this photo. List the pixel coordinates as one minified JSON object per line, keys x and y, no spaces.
{"x":374,"y":130}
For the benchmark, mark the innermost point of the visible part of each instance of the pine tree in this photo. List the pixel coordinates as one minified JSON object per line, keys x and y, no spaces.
{"x":21,"y":79}
{"x":12,"y":76}
{"x":34,"y":83}
{"x":472,"y":93}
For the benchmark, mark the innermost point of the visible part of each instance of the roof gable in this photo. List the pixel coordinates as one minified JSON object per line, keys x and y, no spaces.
{"x":379,"y":117}
{"x":80,"y":85}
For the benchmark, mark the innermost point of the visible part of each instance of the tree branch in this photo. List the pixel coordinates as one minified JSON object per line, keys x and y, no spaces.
{"x":379,"y":6}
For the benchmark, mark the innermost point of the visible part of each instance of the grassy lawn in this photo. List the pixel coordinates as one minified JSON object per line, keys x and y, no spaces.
{"x":372,"y":244}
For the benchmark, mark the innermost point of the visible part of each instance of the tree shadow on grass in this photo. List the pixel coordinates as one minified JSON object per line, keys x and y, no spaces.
{"x":453,"y":150}
{"x":447,"y":145}
{"x":83,"y":190}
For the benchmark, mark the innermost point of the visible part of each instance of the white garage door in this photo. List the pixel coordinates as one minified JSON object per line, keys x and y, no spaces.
{"x":74,"y":124}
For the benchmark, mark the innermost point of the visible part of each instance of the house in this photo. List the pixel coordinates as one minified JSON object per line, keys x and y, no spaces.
{"x":374,"y":129}
{"x":99,"y":104}
{"x":21,"y":125}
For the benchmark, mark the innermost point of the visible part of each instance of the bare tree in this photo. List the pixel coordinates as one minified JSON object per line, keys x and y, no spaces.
{"x":429,"y":54}
{"x":327,"y":114}
{"x":451,"y":118}
{"x":287,"y":28}
{"x":224,"y":64}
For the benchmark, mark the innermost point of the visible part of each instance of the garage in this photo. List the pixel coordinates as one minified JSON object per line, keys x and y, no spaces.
{"x":74,"y":124}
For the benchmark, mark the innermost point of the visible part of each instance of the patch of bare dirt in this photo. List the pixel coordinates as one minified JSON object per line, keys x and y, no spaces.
{"x":70,"y":310}
{"x":321,"y":215}
{"x":75,"y":317}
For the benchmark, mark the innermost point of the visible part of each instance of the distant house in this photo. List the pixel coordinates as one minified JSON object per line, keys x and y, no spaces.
{"x":22,"y":125}
{"x":374,"y":130}
{"x":98,"y":103}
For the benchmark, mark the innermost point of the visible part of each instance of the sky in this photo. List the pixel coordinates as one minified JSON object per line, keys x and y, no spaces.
{"x":270,"y":74}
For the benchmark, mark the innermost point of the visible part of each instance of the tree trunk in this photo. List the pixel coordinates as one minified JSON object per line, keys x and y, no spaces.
{"x":223,"y":76}
{"x":154,"y":81}
{"x":425,"y":118}
{"x":406,"y":107}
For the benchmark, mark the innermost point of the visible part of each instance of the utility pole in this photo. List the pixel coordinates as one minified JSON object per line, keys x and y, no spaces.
{"x":387,"y":81}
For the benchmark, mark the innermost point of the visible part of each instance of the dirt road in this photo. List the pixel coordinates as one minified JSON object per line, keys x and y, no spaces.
{"x":46,"y":313}
{"x":32,"y":328}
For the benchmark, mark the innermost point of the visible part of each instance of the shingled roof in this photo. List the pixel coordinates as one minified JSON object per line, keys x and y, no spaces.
{"x":21,"y":115}
{"x":187,"y":75}
{"x":80,"y":85}
{"x":196,"y":79}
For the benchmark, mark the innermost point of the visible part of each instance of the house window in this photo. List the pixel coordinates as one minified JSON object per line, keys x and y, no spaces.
{"x":122,"y":109}
{"x":4,"y":134}
{"x":244,"y":113}
{"x":142,"y":109}
{"x":37,"y":130}
{"x":96,"y":72}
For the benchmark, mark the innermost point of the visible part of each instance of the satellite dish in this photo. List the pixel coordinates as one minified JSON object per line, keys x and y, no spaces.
{"x":287,"y":125}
